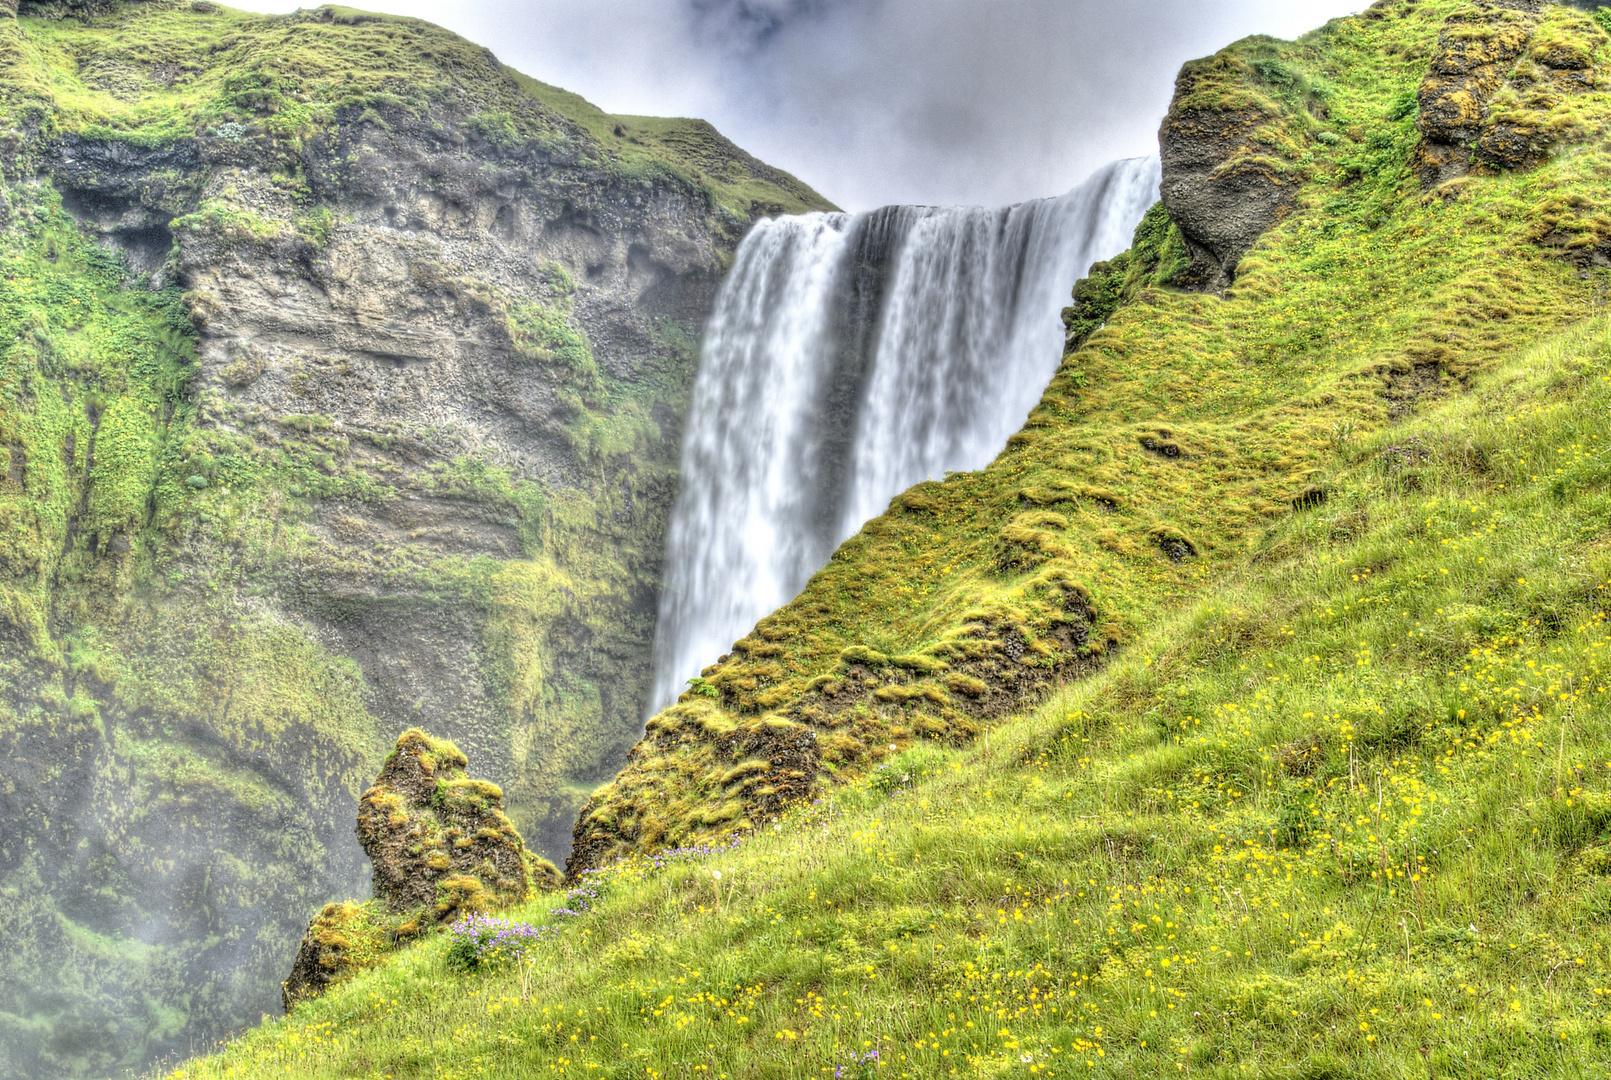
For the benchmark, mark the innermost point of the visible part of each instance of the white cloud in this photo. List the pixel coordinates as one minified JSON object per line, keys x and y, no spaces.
{"x":878,"y":101}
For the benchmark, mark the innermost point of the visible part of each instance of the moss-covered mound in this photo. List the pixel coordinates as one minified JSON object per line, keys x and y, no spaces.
{"x":439,"y":845}
{"x":1347,"y":812}
{"x":437,"y":839}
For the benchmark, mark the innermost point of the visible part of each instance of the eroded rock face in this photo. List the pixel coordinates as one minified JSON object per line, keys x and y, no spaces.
{"x":392,"y":319}
{"x":1220,"y":185}
{"x":1474,"y":53}
{"x":405,"y":447}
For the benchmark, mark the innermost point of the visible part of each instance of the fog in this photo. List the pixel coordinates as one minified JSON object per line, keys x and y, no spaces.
{"x":883,"y":101}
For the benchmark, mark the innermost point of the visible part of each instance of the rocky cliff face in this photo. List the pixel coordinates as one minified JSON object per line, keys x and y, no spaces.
{"x":344,"y":391}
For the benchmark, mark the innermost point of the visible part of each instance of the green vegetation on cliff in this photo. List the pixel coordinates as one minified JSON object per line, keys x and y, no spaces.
{"x":104,"y":694}
{"x":1347,"y":812}
{"x":246,"y":539}
{"x":1283,"y":622}
{"x":154,"y":73}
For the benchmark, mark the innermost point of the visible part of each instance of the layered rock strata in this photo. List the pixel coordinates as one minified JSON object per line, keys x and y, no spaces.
{"x":344,"y":388}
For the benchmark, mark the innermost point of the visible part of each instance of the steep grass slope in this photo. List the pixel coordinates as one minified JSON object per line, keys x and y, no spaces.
{"x":1347,"y":813}
{"x":1181,"y":428}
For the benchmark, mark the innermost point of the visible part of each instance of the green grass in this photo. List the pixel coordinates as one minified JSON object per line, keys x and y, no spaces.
{"x":1199,"y":418}
{"x":1347,"y":812}
{"x":1353,"y":747}
{"x":1329,"y":797}
{"x":158,"y":72}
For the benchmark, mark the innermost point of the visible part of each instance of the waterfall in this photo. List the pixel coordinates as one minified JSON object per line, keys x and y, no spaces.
{"x":850,"y":357}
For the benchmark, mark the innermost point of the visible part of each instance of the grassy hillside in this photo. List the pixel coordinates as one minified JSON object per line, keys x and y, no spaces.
{"x":1173,"y":439}
{"x":168,"y":70}
{"x":1343,"y":814}
{"x":1309,"y":582}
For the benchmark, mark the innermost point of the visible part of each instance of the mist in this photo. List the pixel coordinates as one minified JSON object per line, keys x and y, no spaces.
{"x":884,"y":101}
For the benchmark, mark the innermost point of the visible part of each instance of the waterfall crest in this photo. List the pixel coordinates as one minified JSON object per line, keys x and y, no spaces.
{"x":850,"y":357}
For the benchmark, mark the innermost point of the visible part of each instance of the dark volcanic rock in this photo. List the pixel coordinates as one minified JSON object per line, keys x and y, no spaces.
{"x":1477,"y":47}
{"x":1222,"y":189}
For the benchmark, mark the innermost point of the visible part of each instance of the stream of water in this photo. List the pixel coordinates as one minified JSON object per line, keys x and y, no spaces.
{"x":850,"y":357}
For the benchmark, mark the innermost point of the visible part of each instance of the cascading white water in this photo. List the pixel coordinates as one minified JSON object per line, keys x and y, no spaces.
{"x":849,"y":358}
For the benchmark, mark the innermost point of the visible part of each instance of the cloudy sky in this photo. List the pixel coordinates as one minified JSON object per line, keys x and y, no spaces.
{"x":882,"y":101}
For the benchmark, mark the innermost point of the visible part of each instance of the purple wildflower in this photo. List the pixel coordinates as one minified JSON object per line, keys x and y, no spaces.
{"x":476,"y":940}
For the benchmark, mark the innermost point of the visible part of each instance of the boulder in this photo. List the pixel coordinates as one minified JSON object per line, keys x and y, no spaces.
{"x":439,"y":845}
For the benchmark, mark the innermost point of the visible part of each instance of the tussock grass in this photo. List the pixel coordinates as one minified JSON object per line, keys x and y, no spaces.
{"x":1346,"y":813}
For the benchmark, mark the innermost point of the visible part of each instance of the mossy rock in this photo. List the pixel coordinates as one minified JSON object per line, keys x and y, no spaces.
{"x":419,"y":802}
{"x":440,"y":846}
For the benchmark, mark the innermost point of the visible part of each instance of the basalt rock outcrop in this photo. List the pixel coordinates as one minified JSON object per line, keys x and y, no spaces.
{"x":440,"y":846}
{"x":1475,"y":52}
{"x":1232,"y":145}
{"x":1220,"y":187}
{"x":437,"y":839}
{"x":1497,"y":95}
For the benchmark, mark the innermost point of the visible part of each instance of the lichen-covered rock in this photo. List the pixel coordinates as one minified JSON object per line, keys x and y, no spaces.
{"x":1498,"y":92}
{"x":342,"y":939}
{"x":1477,"y":47}
{"x":437,"y":839}
{"x":439,"y":845}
